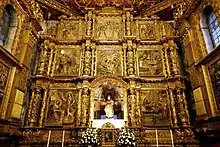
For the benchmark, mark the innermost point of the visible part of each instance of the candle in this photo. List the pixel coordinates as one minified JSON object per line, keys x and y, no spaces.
{"x":157,"y":138}
{"x":63,"y":138}
{"x":48,"y":140}
{"x":171,"y":135}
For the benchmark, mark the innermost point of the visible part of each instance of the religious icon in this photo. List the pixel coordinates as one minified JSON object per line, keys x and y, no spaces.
{"x":108,"y":137}
{"x":109,"y":111}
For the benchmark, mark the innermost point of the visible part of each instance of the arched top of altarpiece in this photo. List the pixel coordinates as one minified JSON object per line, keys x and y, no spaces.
{"x":109,"y":79}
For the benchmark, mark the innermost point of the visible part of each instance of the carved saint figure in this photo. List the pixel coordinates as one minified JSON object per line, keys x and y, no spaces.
{"x":109,"y":107}
{"x":69,"y":110}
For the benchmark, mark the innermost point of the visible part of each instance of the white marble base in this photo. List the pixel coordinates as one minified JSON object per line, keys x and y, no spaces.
{"x":98,"y":123}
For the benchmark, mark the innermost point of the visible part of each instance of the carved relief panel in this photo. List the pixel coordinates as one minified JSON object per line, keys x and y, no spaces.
{"x":109,"y":60}
{"x":108,"y":28}
{"x":155,"y":108}
{"x":148,"y":30}
{"x":70,"y":30}
{"x":67,"y":61}
{"x":150,"y":61}
{"x":62,"y":106}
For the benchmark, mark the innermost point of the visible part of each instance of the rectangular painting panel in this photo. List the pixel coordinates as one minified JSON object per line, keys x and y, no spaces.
{"x":155,"y":108}
{"x":108,"y":28}
{"x":150,"y":61}
{"x":109,"y":60}
{"x":62,"y":107}
{"x":67,"y":61}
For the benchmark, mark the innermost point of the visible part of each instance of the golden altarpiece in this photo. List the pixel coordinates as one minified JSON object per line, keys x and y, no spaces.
{"x":107,"y":69}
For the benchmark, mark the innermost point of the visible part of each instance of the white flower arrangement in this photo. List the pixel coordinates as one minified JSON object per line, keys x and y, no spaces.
{"x":90,"y":137}
{"x":126,"y":138}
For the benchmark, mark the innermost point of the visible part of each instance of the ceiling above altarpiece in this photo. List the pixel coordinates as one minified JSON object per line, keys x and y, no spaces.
{"x":162,"y":8}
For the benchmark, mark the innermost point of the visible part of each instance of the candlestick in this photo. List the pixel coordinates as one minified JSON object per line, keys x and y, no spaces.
{"x":171,"y":135}
{"x":48,"y":139}
{"x":63,"y":138}
{"x":157,"y":138}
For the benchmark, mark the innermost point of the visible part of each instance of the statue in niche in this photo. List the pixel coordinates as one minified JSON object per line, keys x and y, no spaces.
{"x":108,"y":103}
{"x":109,"y":111}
